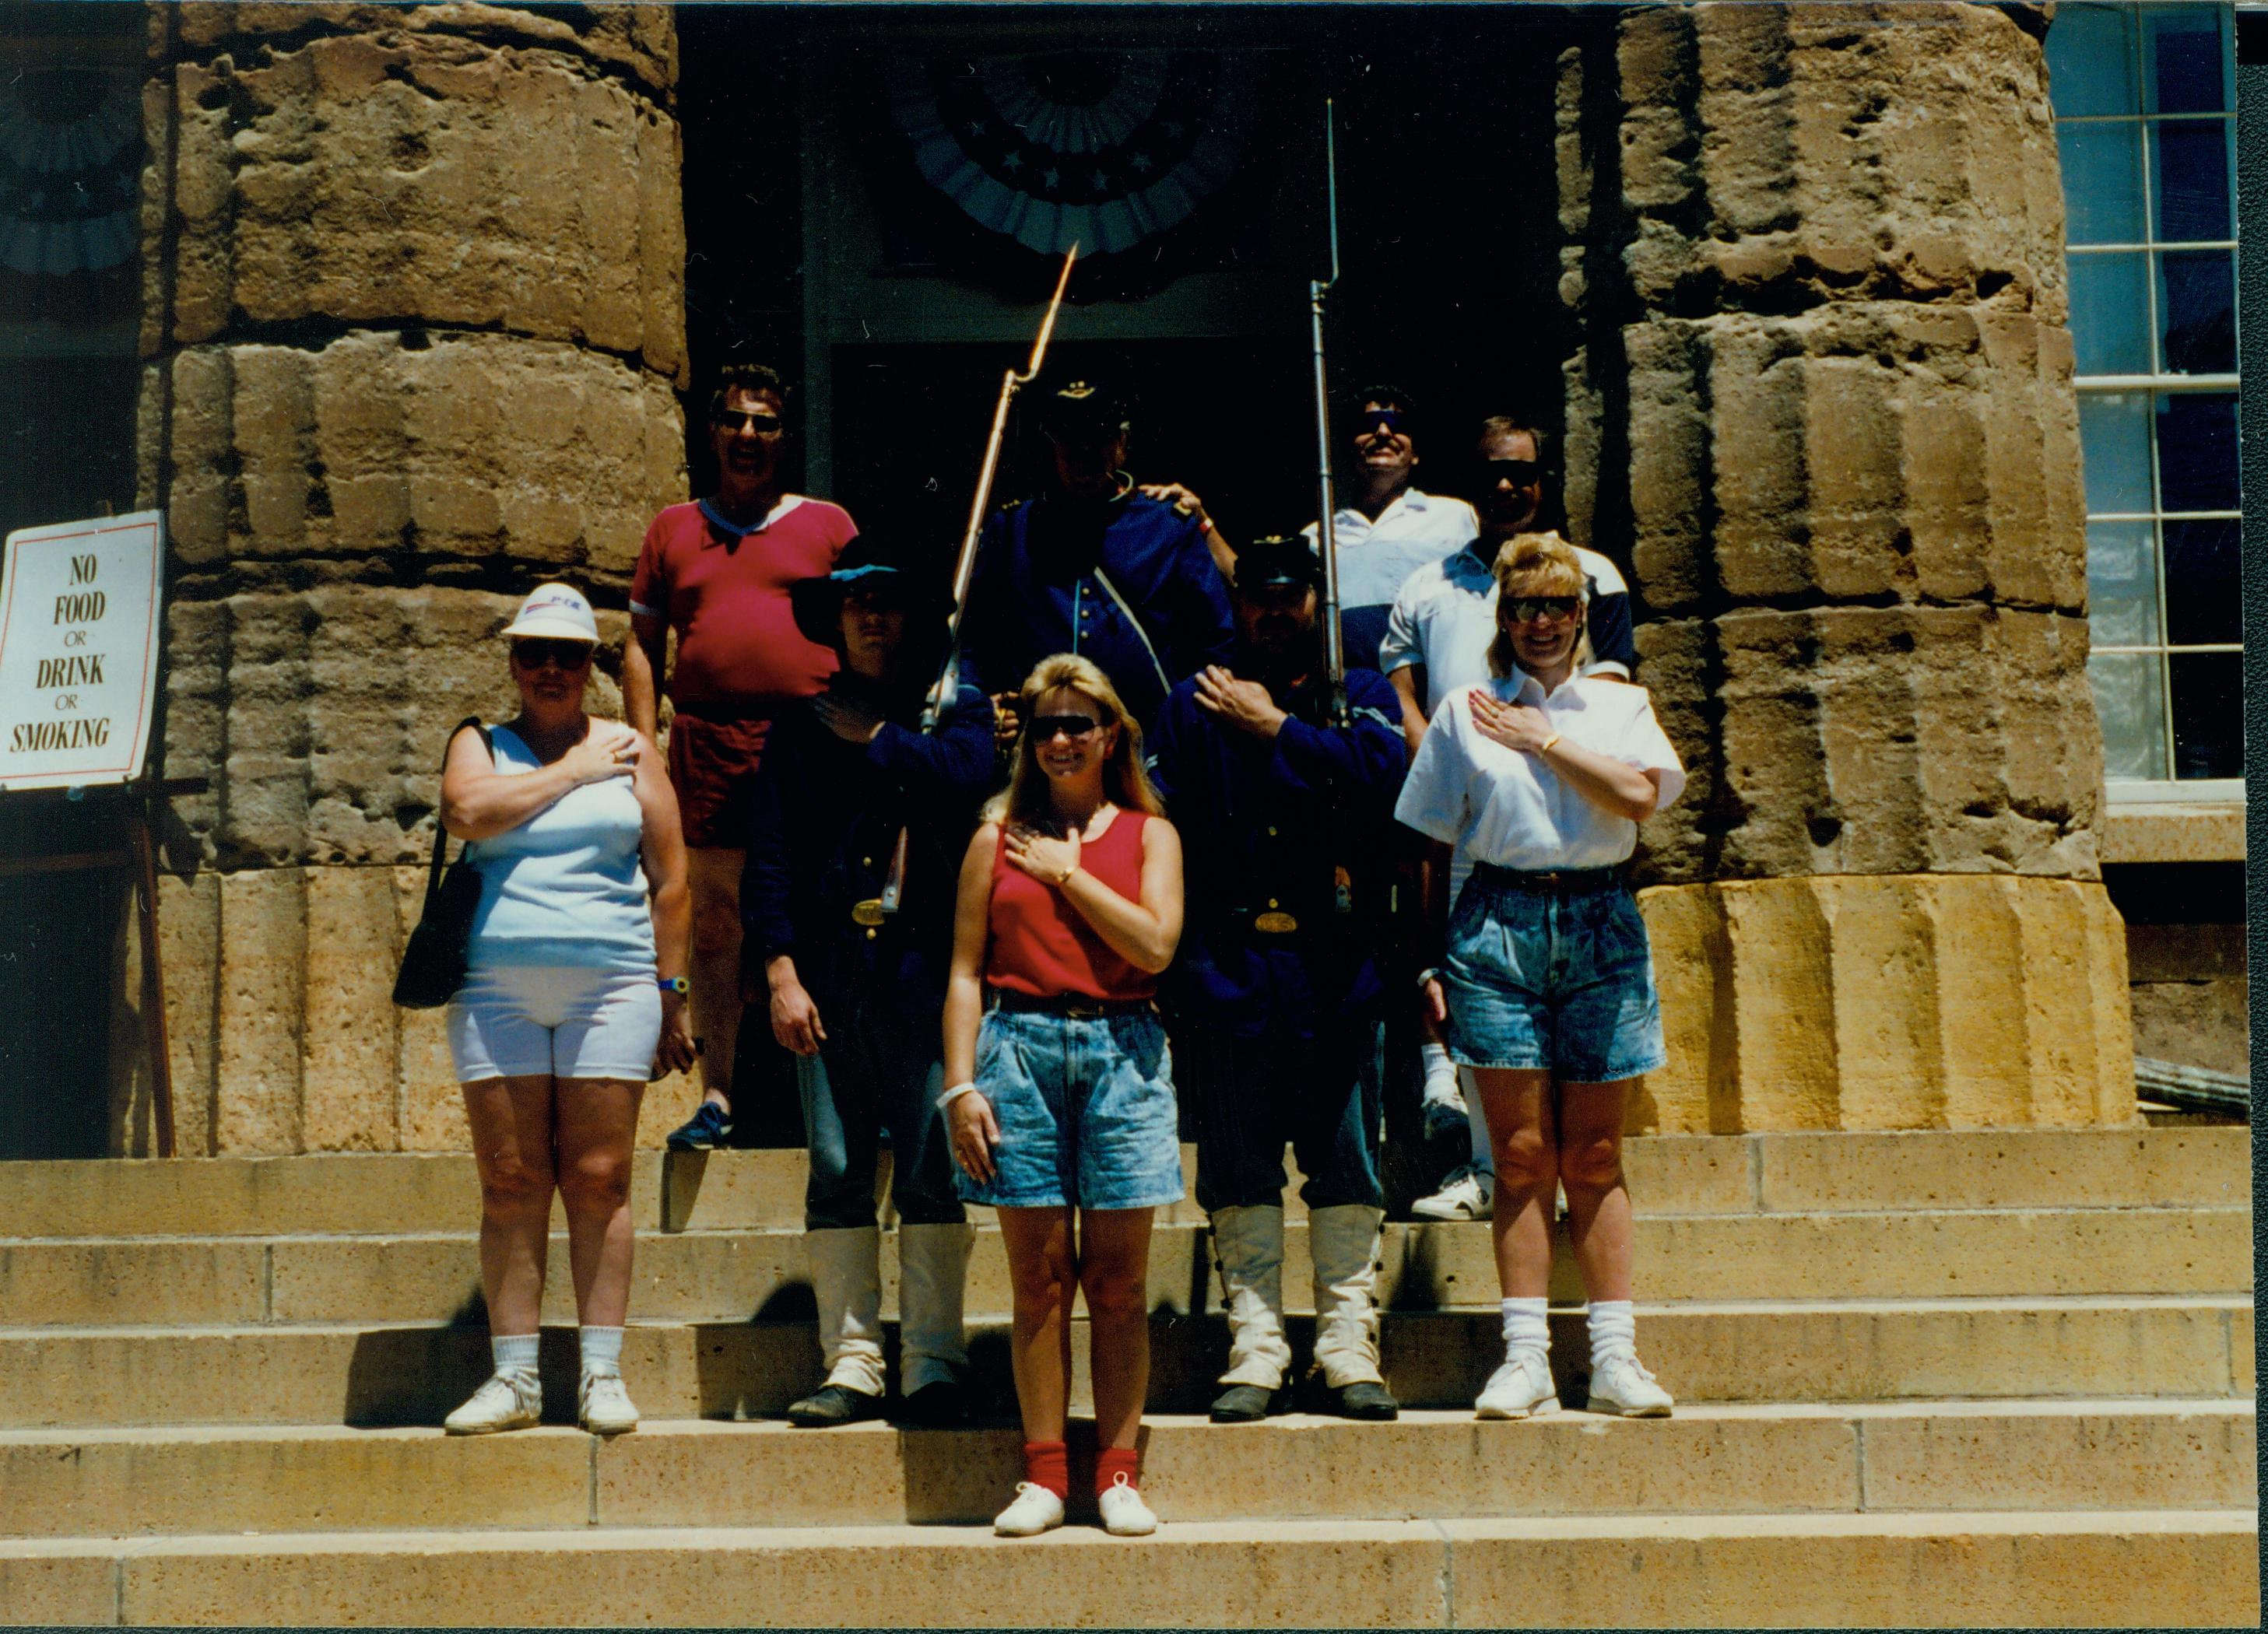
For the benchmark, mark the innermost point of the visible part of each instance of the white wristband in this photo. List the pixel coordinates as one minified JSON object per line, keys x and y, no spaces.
{"x":953,"y":1094}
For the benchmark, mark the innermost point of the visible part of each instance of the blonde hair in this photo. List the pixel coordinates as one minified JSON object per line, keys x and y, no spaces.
{"x":1025,"y":799}
{"x":1538,"y":565}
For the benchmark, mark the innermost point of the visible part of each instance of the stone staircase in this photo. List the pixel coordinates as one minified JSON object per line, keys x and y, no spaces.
{"x":1955,"y":1378}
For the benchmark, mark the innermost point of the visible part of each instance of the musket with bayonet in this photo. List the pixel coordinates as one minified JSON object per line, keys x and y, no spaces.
{"x":948,"y":680}
{"x":1326,"y":528}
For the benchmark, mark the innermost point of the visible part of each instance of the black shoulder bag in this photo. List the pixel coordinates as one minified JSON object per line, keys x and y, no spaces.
{"x":433,"y":963}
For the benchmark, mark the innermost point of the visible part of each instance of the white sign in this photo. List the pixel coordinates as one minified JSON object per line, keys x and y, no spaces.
{"x":78,"y":650}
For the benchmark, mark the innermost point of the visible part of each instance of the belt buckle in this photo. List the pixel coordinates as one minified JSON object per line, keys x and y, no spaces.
{"x":868,"y":913}
{"x":1273,"y":922}
{"x":1085,"y":1012}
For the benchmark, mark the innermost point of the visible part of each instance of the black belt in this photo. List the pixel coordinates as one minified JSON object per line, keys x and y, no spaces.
{"x":1555,"y":882}
{"x":1077,"y":1007}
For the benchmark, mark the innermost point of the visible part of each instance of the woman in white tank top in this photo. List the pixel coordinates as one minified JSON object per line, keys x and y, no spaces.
{"x":574,"y":996}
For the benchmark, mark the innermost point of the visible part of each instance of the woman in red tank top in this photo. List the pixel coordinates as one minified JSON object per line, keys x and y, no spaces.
{"x":1060,"y":1104}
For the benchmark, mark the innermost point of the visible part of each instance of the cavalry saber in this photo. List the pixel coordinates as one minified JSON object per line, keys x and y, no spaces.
{"x":941,"y":695}
{"x":1326,"y":526}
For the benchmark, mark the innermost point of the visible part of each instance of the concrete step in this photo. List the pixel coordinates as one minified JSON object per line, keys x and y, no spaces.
{"x":2098,"y":1567}
{"x":1778,"y":1351}
{"x":735,"y":1275}
{"x":394,"y":1193}
{"x":1776,"y":1459}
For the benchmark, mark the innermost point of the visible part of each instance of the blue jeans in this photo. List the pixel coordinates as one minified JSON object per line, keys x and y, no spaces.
{"x":878,"y":1069}
{"x":1541,"y":982}
{"x":1086,"y":1108}
{"x":1253,"y":1096}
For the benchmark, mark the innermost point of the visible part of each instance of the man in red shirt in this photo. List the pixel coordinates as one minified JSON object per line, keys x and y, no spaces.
{"x":717,"y":572}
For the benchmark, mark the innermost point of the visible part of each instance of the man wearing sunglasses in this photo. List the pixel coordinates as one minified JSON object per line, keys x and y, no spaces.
{"x":1437,"y":642}
{"x":1285,"y":818}
{"x":717,"y":572}
{"x":1094,"y":567}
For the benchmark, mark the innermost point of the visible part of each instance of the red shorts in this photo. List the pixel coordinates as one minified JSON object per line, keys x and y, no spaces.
{"x":711,"y":764}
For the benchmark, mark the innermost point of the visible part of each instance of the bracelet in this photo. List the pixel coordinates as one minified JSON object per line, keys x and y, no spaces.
{"x":1431,"y":973}
{"x":673,"y":984}
{"x":1544,"y":747}
{"x":953,"y":1094}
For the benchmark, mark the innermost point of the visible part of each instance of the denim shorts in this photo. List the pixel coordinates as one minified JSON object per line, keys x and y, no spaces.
{"x":1085,"y":1109}
{"x":1541,"y":982}
{"x":555,"y":1021}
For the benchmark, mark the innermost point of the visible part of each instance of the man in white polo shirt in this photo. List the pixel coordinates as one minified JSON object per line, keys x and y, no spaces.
{"x":1436,"y":642}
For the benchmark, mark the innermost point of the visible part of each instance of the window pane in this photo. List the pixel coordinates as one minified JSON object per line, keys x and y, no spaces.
{"x":2110,"y":313}
{"x":2114,"y":439}
{"x":2122,"y":583}
{"x":2197,"y":450}
{"x":2091,"y":60}
{"x":2182,"y":58}
{"x":2204,"y":595}
{"x":2189,"y":178}
{"x":2130,"y":702}
{"x":2102,"y":182}
{"x":2208,"y":714}
{"x":2196,"y":306}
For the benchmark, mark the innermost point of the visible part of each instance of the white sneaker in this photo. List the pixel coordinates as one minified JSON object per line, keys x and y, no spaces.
{"x":505,"y":1400}
{"x":604,"y":1407}
{"x":1621,"y":1384}
{"x":1124,"y":1514}
{"x":1467,"y":1194}
{"x":1036,"y":1510}
{"x":1521,"y":1388}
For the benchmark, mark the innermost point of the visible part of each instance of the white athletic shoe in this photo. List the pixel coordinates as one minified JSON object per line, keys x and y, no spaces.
{"x":505,"y":1400}
{"x":1036,"y":1510}
{"x":1467,"y":1194}
{"x":604,"y":1407}
{"x":1124,"y":1514}
{"x":1521,"y":1388}
{"x":1621,"y":1384}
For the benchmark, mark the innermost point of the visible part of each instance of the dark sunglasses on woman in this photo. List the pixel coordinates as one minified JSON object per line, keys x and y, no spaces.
{"x":1525,"y":607}
{"x":1075,"y":727}
{"x":534,"y":652}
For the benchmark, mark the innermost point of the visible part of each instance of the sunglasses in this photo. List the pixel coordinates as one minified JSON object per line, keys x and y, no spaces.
{"x":1076,"y":727}
{"x":1518,"y":472}
{"x":1370,"y":419}
{"x":1523,"y":608}
{"x":534,"y":652}
{"x":763,"y":425}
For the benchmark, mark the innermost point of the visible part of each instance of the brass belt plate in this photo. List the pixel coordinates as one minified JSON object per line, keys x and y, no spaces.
{"x":868,"y":913}
{"x":1274,"y":924}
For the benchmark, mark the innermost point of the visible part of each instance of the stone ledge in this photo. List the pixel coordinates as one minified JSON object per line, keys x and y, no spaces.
{"x":2174,"y":832}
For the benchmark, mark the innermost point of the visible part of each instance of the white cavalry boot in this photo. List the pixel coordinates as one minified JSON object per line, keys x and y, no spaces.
{"x":1343,"y":1241}
{"x":1248,"y":1245}
{"x":846,"y":1279}
{"x":932,"y":1337}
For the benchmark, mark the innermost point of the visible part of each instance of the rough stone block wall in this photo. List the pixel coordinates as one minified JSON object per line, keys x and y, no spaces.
{"x":1820,"y":401}
{"x":414,"y":331}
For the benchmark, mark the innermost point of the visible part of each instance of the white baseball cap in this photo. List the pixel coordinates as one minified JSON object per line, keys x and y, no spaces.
{"x":560,"y":611}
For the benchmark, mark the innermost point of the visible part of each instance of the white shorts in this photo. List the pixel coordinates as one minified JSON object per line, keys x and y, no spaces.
{"x":555,"y":1021}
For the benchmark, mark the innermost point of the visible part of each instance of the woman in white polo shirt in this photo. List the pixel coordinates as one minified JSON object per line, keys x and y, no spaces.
{"x":1540,"y":778}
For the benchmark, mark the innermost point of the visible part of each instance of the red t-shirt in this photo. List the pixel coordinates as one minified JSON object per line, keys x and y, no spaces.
{"x":1044,"y":946}
{"x":726,"y":598}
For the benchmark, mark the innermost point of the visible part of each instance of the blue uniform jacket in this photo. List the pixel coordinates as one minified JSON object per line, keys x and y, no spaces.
{"x":1264,"y":826}
{"x":823,"y":816}
{"x":1039,"y":589}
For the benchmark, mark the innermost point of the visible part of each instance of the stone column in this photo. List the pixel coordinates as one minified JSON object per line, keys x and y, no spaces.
{"x":415,"y":329}
{"x":1821,"y":399}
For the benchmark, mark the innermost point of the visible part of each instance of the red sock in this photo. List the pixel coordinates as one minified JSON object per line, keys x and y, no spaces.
{"x":1048,"y":1464}
{"x":1115,"y":1460}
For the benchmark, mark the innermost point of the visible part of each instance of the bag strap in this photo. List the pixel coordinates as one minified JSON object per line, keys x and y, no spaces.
{"x":440,"y":834}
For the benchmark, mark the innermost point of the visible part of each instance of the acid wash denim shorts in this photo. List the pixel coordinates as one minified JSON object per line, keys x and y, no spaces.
{"x":1085,"y":1109}
{"x":1542,"y":981}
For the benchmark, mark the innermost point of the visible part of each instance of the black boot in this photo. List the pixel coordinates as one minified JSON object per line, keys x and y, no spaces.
{"x":834,"y":1404}
{"x":1245,"y":1404}
{"x":941,"y":1405}
{"x":1365,"y":1400}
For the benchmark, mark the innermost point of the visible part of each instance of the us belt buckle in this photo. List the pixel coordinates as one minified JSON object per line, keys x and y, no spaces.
{"x":1275,"y":922}
{"x":868,"y":913}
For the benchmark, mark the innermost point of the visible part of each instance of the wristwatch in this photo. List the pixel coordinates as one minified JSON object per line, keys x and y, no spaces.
{"x":676,"y":984}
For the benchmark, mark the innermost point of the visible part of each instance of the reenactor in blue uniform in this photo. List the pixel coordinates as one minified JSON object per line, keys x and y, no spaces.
{"x":1285,"y":818}
{"x":1093,"y":567}
{"x":856,"y":992}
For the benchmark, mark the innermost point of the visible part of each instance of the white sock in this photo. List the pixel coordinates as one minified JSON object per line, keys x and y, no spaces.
{"x":1614,"y":1330}
{"x":1525,"y":1328}
{"x":1440,"y":1072}
{"x":514,"y":1353}
{"x":602,"y":1350}
{"x":1484,"y":1157}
